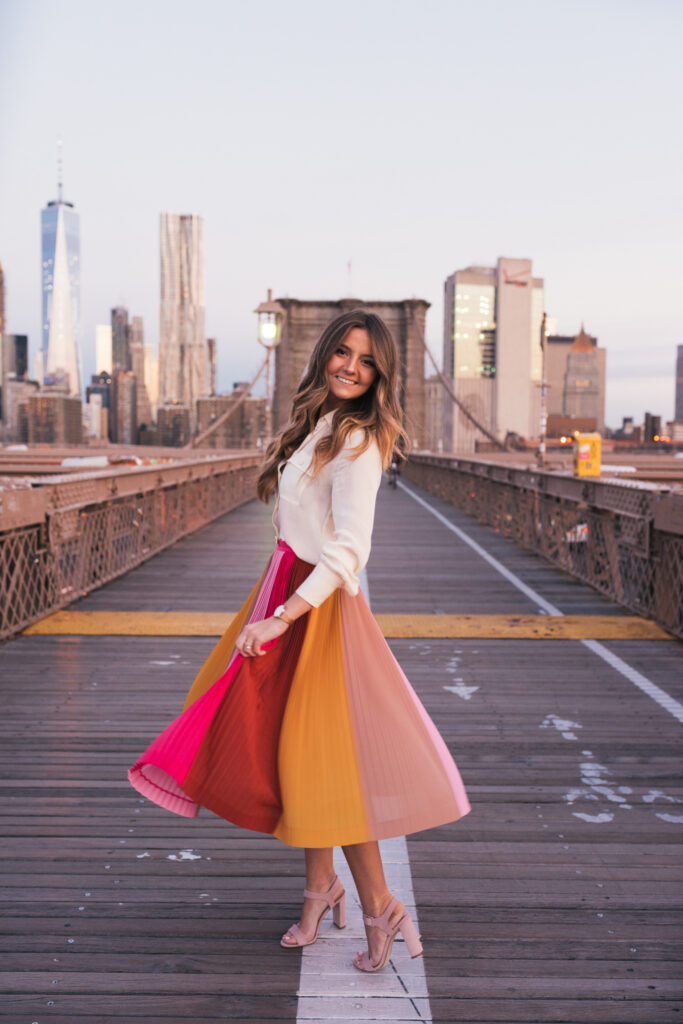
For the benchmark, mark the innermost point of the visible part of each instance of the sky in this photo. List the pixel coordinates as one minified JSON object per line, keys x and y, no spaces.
{"x":410,"y":139}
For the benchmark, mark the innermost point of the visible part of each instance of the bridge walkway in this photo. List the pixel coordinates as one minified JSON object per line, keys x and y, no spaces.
{"x":557,"y":898}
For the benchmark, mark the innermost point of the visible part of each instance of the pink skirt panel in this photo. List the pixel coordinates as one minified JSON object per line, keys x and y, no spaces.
{"x":160,"y":772}
{"x":410,"y":781}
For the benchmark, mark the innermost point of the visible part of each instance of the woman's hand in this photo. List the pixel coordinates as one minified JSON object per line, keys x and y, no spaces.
{"x":256,"y":634}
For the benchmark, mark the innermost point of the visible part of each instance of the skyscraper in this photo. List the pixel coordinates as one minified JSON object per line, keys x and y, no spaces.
{"x":183,"y":353}
{"x":61,"y":285}
{"x":581,"y":380}
{"x":136,"y":347}
{"x":678,"y":411}
{"x":557,"y":363}
{"x":492,"y":351}
{"x":120,"y":339}
{"x":103,"y":348}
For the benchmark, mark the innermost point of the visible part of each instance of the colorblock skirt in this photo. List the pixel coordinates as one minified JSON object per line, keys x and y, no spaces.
{"x":322,"y":741}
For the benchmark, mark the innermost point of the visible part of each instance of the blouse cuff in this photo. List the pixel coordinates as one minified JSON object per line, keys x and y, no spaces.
{"x":319,"y":584}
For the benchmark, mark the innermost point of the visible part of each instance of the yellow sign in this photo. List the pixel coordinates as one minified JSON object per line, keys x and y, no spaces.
{"x":587,"y":449}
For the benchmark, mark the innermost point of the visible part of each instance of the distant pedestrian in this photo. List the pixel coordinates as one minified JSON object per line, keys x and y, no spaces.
{"x":301,"y":723}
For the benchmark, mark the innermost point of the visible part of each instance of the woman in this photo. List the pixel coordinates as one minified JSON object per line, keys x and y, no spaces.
{"x":301,"y":722}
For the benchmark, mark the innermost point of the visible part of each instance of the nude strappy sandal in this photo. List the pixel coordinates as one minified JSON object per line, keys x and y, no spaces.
{"x":335,"y":897}
{"x":405,"y":926}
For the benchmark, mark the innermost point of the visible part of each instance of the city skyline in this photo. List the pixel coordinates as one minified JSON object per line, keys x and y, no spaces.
{"x":293,"y":182}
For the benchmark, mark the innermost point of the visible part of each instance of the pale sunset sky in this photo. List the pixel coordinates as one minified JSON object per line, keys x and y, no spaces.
{"x":411,"y":139}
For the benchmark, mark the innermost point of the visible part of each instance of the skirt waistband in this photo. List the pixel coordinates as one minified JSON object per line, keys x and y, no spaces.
{"x":283,"y":546}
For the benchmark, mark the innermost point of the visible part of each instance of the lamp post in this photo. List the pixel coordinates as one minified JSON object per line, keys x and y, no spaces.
{"x":269,"y":330}
{"x":544,"y":400}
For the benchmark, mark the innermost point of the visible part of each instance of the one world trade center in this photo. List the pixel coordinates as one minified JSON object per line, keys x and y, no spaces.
{"x":61,"y":287}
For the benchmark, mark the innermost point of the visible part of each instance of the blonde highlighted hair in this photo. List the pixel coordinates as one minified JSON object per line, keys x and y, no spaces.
{"x":377,"y":412}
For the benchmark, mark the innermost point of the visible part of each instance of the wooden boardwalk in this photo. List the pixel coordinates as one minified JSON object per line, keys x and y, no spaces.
{"x":557,"y":899}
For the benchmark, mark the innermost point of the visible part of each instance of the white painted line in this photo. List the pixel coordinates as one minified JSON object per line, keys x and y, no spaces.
{"x":618,"y":664}
{"x":330,"y":987}
{"x":637,"y":678}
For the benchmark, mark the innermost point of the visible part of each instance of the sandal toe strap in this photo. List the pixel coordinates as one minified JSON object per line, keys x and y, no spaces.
{"x":297,"y":934}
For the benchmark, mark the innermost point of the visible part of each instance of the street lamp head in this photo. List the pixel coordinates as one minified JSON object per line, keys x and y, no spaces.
{"x":268,"y":330}
{"x":270,"y":315}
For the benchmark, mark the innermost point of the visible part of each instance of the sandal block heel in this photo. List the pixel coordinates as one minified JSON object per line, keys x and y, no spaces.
{"x":339,"y":912}
{"x":410,"y":936}
{"x":405,"y":926}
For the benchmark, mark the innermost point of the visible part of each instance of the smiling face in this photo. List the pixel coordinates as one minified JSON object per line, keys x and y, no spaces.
{"x":350,"y":370}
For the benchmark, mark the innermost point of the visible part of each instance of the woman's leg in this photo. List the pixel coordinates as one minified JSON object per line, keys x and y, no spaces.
{"x":320,"y":875}
{"x":365,"y":862}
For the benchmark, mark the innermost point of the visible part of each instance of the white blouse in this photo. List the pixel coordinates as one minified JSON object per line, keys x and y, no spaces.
{"x":327,"y":520}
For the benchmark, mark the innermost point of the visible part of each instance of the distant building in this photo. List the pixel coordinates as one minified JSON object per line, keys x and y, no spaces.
{"x":211,"y":355}
{"x":183,"y":354}
{"x":245,"y":428}
{"x":2,"y":300}
{"x":38,"y":367}
{"x":13,"y":356}
{"x":103,"y":348}
{"x":564,"y":426}
{"x":120,"y":339}
{"x":13,"y":370}
{"x":54,"y":419}
{"x":558,"y":349}
{"x":100,"y":386}
{"x":652,"y":427}
{"x":492,"y":351}
{"x":152,"y":377}
{"x":15,"y":396}
{"x":61,"y":291}
{"x":581,"y":391}
{"x":95,"y":418}
{"x":678,"y":407}
{"x":628,"y":431}
{"x":435,"y":398}
{"x":124,"y":424}
{"x":137,"y":361}
{"x":304,"y":322}
{"x":173,"y":426}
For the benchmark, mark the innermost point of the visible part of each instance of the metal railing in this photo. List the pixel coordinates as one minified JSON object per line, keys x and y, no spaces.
{"x":623,"y":538}
{"x":64,"y":536}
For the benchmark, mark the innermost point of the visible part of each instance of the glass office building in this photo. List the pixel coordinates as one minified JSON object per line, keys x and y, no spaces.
{"x":61,"y":288}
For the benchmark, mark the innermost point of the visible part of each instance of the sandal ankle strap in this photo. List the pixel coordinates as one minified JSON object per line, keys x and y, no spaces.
{"x":383,"y":920}
{"x":331,"y":896}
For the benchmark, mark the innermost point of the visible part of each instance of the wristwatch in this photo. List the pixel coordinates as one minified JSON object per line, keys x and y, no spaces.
{"x":279,"y":613}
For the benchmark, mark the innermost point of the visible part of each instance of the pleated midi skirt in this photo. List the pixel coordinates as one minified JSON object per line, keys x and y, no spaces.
{"x":321,"y":741}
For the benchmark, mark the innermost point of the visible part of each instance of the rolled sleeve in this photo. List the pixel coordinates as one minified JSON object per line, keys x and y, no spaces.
{"x":355,"y":483}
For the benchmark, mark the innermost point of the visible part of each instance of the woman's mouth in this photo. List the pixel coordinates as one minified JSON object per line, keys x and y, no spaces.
{"x":344,"y":380}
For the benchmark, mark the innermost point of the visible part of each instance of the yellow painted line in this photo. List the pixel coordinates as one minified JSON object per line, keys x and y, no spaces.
{"x":133,"y":624}
{"x":479,"y":627}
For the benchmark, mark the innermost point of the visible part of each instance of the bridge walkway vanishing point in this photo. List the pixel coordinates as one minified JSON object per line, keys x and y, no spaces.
{"x":556,"y":899}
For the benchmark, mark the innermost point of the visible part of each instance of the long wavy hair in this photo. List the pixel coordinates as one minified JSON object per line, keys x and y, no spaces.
{"x":377,"y":412}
